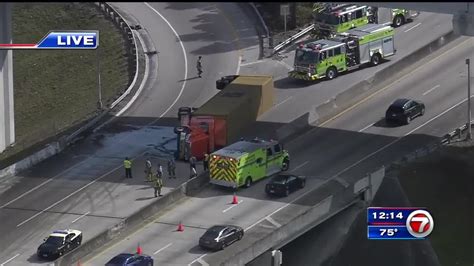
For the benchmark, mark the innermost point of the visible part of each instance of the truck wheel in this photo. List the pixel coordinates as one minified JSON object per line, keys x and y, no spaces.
{"x":331,"y":73}
{"x":248,"y":182}
{"x":285,"y":165}
{"x":375,"y":60}
{"x":398,"y":20}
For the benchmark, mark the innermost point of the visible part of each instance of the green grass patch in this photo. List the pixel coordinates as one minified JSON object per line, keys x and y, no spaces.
{"x":442,"y":182}
{"x":56,"y":89}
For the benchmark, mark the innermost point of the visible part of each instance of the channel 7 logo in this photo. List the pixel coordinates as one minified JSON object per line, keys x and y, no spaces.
{"x":62,"y":40}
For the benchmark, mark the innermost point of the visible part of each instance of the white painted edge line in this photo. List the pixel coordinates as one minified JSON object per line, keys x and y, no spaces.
{"x":275,"y":223}
{"x":356,"y":163}
{"x":430,"y":90}
{"x":282,"y":102}
{"x":10,"y":259}
{"x":198,"y":259}
{"x":238,"y":65}
{"x":163,"y":248}
{"x":77,"y":219}
{"x":185,"y":62}
{"x":366,"y":127}
{"x":300,"y":165}
{"x":252,"y":63}
{"x":74,"y":193}
{"x":413,"y":27}
{"x":203,"y":263}
{"x":40,"y":185}
{"x":136,"y":67}
{"x":233,"y":205}
{"x":142,"y":85}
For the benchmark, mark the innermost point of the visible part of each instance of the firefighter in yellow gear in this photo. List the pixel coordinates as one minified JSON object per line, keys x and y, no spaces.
{"x":127,"y":164}
{"x":157,"y":184}
{"x":148,"y":171}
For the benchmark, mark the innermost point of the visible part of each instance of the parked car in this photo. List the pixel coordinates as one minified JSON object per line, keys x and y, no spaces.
{"x":125,"y":259}
{"x":283,"y":184}
{"x":404,"y":110}
{"x":220,"y":236}
{"x":58,"y":243}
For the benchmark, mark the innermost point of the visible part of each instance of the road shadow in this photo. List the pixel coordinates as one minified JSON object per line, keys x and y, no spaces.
{"x":35,"y":260}
{"x":182,"y":80}
{"x":197,"y":250}
{"x":145,"y":198}
{"x":384,"y":123}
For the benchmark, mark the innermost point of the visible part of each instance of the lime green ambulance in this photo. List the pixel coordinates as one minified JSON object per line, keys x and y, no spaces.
{"x":244,"y":162}
{"x":350,"y":50}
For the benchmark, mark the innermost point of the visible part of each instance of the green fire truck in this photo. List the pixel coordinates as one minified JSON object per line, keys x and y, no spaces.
{"x":244,"y":162}
{"x":326,"y":58}
{"x":331,"y":19}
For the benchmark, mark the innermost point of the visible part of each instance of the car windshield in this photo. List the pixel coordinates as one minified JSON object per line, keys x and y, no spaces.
{"x":306,"y":57}
{"x":55,"y":240}
{"x":395,"y":109}
{"x":119,"y":260}
{"x":279,"y":179}
{"x":214,"y":231}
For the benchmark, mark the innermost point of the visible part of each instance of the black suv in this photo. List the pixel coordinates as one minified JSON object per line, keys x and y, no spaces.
{"x":404,"y":110}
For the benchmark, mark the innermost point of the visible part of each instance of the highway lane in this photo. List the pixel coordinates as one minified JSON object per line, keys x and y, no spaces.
{"x":83,"y":186}
{"x":334,"y":149}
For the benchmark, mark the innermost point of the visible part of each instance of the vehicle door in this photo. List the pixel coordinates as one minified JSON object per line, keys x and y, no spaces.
{"x":232,"y":235}
{"x":225,"y":236}
{"x":291,"y":180}
{"x":68,"y":242}
{"x":411,"y":109}
{"x":270,"y":161}
{"x":323,"y":63}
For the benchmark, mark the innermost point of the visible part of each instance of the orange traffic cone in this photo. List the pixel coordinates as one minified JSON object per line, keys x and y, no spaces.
{"x":139,"y":249}
{"x":180,"y":227}
{"x":234,"y":199}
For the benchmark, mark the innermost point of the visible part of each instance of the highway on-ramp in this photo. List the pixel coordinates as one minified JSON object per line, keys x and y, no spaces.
{"x":352,"y":144}
{"x":83,"y":187}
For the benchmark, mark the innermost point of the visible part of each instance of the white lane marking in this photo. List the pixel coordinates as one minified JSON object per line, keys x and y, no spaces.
{"x":252,"y":63}
{"x":203,"y":263}
{"x":185,"y":61}
{"x":77,"y":219}
{"x":40,"y":185}
{"x":430,"y":90}
{"x":163,"y":248}
{"x":299,"y":166}
{"x":198,"y":259}
{"x":10,"y":260}
{"x":233,"y":205}
{"x":413,"y":27}
{"x":366,"y":127}
{"x":275,"y":223}
{"x":354,"y":164}
{"x":142,"y":84}
{"x":74,"y":193}
{"x":282,"y":102}
{"x":238,"y":65}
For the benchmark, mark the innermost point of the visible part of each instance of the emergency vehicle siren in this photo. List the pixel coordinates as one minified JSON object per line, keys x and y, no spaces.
{"x":139,"y":249}
{"x":234,"y":199}
{"x":180,"y":227}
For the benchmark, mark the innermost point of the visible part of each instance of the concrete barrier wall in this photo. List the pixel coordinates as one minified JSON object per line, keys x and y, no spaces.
{"x":321,"y":113}
{"x":134,"y":221}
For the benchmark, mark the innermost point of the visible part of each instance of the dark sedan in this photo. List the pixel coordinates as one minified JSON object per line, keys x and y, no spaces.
{"x":220,"y":236}
{"x":284,"y":184}
{"x":125,"y":259}
{"x":58,"y":243}
{"x":404,"y":110}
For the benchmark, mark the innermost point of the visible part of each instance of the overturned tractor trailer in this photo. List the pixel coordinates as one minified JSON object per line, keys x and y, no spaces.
{"x":221,"y":120}
{"x":368,"y":44}
{"x":331,"y":19}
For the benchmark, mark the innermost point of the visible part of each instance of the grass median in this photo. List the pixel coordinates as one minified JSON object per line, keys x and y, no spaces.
{"x":56,"y":89}
{"x":442,"y":182}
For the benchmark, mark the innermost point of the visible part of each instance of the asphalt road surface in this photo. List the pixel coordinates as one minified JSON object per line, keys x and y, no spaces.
{"x":354,"y":143}
{"x":83,"y":187}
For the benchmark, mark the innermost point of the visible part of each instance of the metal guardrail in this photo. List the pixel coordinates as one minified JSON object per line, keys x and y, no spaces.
{"x":457,"y":132}
{"x":293,"y":38}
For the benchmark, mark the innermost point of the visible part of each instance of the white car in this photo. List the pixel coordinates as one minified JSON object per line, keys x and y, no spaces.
{"x":58,"y":243}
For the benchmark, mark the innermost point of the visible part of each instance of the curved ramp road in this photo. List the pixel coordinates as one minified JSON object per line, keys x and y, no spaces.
{"x":83,"y":187}
{"x":352,"y":144}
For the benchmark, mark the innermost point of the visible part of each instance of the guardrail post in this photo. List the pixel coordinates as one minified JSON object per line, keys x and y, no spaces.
{"x":448,"y":138}
{"x":458,"y":133}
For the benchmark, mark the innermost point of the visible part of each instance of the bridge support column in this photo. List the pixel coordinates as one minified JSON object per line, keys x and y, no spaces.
{"x":463,"y":23}
{"x":7,"y":118}
{"x":269,"y":258}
